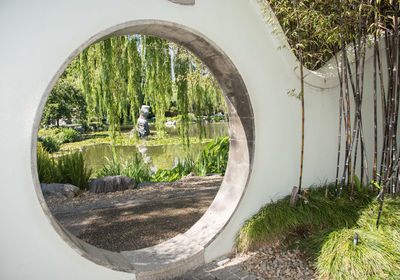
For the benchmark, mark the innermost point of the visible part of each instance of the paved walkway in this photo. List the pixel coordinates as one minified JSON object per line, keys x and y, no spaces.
{"x":221,"y":269}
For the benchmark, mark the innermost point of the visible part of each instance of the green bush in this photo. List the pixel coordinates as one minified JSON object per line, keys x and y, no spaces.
{"x":135,"y":168}
{"x":46,"y":166}
{"x":49,"y":143}
{"x":68,"y":135}
{"x":218,"y":118}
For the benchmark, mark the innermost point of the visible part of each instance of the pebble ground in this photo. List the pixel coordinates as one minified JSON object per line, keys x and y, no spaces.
{"x":273,"y":262}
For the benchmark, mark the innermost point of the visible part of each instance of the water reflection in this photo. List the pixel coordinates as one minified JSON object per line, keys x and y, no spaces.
{"x":159,"y":157}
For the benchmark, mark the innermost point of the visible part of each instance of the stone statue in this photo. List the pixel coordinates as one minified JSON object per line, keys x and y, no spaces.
{"x":142,"y":125}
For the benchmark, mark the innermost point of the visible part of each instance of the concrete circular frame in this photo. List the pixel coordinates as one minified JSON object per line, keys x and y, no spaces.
{"x":185,"y":251}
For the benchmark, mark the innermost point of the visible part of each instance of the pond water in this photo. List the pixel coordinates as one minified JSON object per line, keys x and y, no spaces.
{"x":159,"y":157}
{"x":210,"y":130}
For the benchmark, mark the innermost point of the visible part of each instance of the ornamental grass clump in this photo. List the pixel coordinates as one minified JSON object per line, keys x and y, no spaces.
{"x":72,"y":170}
{"x":278,"y":221}
{"x":339,"y":233}
{"x":65,"y":169}
{"x":212,"y":159}
{"x":375,"y":254}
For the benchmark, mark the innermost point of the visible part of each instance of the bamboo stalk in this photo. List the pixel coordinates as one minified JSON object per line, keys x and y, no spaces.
{"x":300,"y":54}
{"x":375,"y":98}
{"x":340,"y":77}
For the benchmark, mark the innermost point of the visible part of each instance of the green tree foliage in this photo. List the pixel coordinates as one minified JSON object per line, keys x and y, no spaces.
{"x":118,"y":75}
{"x":322,"y":27}
{"x":66,"y":101}
{"x":181,"y":69}
{"x":158,"y":79}
{"x":196,"y":91}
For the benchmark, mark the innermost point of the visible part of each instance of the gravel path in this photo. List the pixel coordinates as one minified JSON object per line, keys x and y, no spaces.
{"x":138,"y":225}
{"x":139,"y":218}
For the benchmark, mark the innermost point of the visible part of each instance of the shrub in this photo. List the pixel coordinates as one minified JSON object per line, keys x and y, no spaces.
{"x":134,"y":167}
{"x":49,"y":143}
{"x":72,"y":170}
{"x":68,"y":135}
{"x":47,"y":170}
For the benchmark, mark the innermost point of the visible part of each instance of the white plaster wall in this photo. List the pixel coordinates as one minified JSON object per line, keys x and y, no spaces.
{"x":36,"y":39}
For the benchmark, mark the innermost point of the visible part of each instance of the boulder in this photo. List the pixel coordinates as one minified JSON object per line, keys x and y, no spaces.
{"x":111,"y":184}
{"x":66,"y":190}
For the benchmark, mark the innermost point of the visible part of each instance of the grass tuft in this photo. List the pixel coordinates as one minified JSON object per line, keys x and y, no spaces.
{"x":325,"y":229}
{"x":280,"y":221}
{"x":377,"y":253}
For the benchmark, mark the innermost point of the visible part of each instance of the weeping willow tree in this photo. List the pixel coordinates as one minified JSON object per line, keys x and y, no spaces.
{"x":119,"y":75}
{"x":181,"y":69}
{"x":158,"y":79}
{"x":197,"y":90}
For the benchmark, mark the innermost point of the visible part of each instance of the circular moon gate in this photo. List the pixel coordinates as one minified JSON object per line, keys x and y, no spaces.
{"x":184,"y":251}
